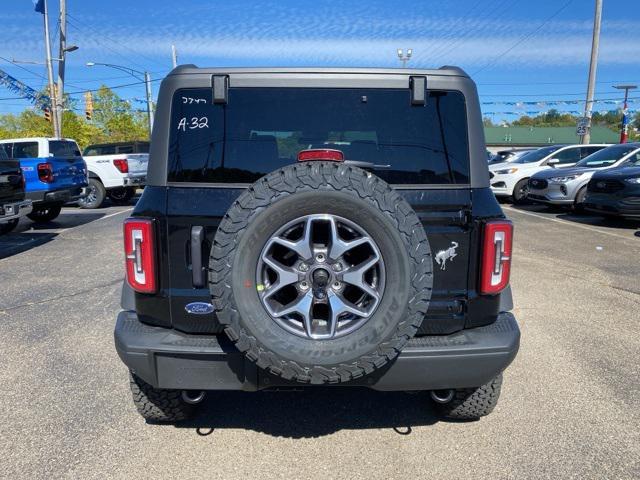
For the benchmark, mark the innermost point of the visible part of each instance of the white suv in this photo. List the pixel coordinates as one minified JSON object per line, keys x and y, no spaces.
{"x":511,"y":179}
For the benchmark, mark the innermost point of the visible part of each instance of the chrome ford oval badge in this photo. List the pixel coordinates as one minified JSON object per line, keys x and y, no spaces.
{"x":199,"y":308}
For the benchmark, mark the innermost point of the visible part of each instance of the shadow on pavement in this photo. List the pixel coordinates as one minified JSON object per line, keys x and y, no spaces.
{"x":312,"y":412}
{"x":30,"y":235}
{"x":16,"y":243}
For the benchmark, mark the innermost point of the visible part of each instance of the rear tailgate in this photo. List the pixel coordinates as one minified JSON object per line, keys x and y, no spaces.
{"x":138,"y":163}
{"x":68,"y":172}
{"x":67,"y":165}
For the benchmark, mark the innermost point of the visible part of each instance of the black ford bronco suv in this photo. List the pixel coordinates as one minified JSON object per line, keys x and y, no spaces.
{"x":306,"y":227}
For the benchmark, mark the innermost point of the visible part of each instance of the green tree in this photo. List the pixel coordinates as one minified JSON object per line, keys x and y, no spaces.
{"x":115,"y":118}
{"x":113,"y":121}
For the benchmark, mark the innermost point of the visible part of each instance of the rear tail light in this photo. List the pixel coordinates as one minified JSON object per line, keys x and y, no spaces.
{"x":139,"y":249}
{"x":45,"y":172}
{"x":121,"y":164}
{"x":496,"y":256}
{"x":321,"y":154}
{"x":23,"y":181}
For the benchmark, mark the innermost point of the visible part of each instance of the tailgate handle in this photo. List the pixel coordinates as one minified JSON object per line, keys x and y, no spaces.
{"x":197,"y":271}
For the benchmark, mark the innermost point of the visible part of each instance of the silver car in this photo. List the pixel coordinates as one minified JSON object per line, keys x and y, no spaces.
{"x":569,"y":186}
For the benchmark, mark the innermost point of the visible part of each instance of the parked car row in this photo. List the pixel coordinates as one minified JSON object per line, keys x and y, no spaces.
{"x":598,"y":178}
{"x":39,"y":175}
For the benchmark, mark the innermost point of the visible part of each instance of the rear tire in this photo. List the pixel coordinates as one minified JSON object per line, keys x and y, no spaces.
{"x":156,"y":404}
{"x":9,"y":226}
{"x":45,"y":214}
{"x":121,"y":195}
{"x":520,"y":192}
{"x":472,"y":403}
{"x":95,"y":197}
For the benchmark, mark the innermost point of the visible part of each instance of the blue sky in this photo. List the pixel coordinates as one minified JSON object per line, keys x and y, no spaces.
{"x":526,"y":56}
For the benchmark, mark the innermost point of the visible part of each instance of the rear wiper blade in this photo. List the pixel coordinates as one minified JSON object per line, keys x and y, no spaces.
{"x":362,"y":164}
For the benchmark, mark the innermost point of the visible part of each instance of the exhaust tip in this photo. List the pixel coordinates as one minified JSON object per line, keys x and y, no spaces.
{"x":193,"y":397}
{"x":442,"y":396}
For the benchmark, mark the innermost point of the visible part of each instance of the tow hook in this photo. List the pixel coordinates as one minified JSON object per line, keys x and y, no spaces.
{"x":192,"y":399}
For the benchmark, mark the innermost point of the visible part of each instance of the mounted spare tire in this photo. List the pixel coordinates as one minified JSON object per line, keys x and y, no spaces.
{"x":320,"y":272}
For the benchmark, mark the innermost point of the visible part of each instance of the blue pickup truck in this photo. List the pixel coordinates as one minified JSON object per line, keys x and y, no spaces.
{"x":54,"y":171}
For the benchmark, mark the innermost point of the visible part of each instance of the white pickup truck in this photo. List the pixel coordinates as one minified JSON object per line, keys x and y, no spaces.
{"x":115,"y":171}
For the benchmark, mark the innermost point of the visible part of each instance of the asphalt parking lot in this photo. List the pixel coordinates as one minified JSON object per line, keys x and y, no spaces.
{"x":570,"y":405}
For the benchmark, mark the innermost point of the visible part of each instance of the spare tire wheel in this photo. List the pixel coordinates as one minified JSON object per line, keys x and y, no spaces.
{"x":320,"y":272}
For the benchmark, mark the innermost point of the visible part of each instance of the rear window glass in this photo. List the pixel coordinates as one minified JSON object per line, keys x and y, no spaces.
{"x":25,"y":150}
{"x":93,"y":150}
{"x":142,"y":147}
{"x":262,"y":129}
{"x":64,"y":149}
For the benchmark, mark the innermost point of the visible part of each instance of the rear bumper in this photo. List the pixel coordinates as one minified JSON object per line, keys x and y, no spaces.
{"x":57,"y":196}
{"x":135,"y":180}
{"x":13,"y":210}
{"x":167,"y":358}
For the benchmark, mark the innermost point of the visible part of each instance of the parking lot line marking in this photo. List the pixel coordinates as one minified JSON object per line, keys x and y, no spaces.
{"x":116,"y":213}
{"x":565,"y":222}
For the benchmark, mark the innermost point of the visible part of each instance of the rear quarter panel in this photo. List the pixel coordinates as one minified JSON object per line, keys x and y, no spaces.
{"x":67,"y":173}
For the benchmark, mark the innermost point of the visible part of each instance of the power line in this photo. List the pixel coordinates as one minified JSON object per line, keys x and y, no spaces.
{"x":490,"y":17}
{"x":453,"y":29}
{"x":527,"y":36}
{"x":113,"y":87}
{"x":555,"y":83}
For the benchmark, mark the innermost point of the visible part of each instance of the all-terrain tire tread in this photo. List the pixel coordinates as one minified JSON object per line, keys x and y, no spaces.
{"x":315,"y":176}
{"x":473,"y":403}
{"x":158,"y":405}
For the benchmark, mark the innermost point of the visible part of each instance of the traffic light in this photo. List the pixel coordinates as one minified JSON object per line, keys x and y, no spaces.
{"x":47,"y":114}
{"x":88,"y":106}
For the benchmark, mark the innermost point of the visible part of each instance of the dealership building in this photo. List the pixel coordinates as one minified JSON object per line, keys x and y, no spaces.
{"x":503,"y":138}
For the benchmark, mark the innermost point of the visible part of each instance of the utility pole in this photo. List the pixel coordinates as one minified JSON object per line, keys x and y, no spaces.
{"x":624,"y":128}
{"x":174,"y":56}
{"x":147,"y":82}
{"x":595,"y":44}
{"x":52,"y":90}
{"x":61,"y":56}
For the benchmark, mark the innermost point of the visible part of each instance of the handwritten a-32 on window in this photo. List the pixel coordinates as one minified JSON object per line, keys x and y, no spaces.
{"x":193,"y":123}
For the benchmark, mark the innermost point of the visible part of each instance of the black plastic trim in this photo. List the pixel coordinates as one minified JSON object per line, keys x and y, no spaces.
{"x":166,"y":358}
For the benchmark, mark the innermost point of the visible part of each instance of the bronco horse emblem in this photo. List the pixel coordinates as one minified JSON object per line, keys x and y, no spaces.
{"x":449,"y":254}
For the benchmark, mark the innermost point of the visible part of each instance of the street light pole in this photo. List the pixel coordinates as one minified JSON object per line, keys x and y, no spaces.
{"x":595,"y":45}
{"x":145,"y":77}
{"x":62,"y":55}
{"x":624,"y":128}
{"x":405,"y":58}
{"x":52,"y":90}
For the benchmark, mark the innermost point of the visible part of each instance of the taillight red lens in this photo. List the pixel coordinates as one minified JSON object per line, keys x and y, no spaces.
{"x":45,"y":172}
{"x":496,"y":256}
{"x":321,"y":154}
{"x":122,"y":165}
{"x":139,"y":249}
